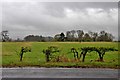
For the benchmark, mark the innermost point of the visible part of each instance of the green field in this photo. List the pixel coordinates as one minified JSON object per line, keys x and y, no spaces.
{"x":36,"y":58}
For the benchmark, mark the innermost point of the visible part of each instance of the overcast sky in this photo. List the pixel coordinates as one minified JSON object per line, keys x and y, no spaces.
{"x":50,"y":18}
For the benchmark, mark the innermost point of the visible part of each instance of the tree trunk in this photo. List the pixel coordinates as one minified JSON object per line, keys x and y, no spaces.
{"x":84,"y":57}
{"x":47,"y":58}
{"x":21,"y":55}
{"x":74,"y":54}
{"x":81,"y":54}
{"x":101,"y":59}
{"x":100,"y":56}
{"x":77,"y":54}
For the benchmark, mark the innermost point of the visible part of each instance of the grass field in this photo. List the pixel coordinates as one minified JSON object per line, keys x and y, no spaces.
{"x":36,"y":58}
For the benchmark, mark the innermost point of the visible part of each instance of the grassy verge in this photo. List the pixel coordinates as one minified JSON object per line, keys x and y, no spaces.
{"x":11,"y":50}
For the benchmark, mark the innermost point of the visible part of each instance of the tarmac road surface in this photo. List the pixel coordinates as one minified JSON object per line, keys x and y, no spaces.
{"x":59,"y":73}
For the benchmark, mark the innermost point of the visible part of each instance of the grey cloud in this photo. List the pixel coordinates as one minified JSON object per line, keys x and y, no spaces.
{"x":50,"y":18}
{"x":57,"y":8}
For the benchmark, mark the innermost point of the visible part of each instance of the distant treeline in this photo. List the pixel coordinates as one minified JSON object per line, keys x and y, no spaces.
{"x":72,"y":36}
{"x":75,"y":36}
{"x":38,"y":38}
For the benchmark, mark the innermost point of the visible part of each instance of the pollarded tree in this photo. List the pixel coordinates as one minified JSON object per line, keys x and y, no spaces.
{"x":101,"y":51}
{"x":24,"y":50}
{"x":73,"y":50}
{"x":49,"y":52}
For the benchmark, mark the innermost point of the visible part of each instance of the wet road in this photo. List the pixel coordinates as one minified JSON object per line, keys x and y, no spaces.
{"x":59,"y":73}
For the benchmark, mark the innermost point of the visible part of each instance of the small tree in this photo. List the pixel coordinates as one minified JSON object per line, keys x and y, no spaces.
{"x":24,"y":50}
{"x":5,"y":36}
{"x":49,"y":52}
{"x":101,"y":51}
{"x":73,"y":50}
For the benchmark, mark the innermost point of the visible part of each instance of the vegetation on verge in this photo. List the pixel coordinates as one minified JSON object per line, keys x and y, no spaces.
{"x":11,"y":51}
